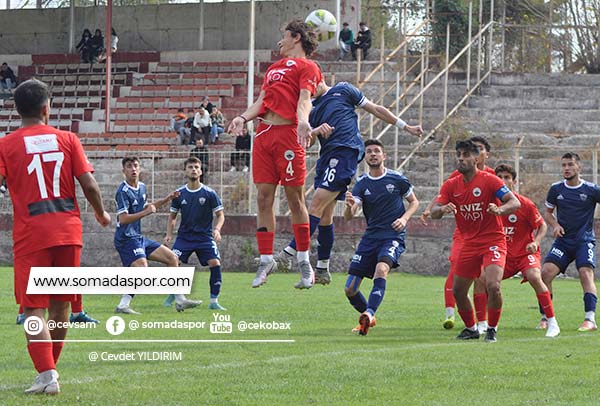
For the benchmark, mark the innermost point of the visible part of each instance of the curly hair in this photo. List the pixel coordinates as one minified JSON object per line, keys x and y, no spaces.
{"x":308,"y":38}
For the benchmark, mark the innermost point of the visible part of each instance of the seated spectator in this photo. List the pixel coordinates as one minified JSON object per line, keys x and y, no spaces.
{"x":207,"y":104}
{"x":200,"y":152}
{"x":186,"y":131}
{"x":96,"y":46}
{"x":84,"y":46}
{"x":241,"y":160}
{"x":217,"y":125}
{"x":346,"y":39}
{"x":201,"y":125}
{"x":363,"y":41}
{"x":8,"y":80}
{"x":177,"y":125}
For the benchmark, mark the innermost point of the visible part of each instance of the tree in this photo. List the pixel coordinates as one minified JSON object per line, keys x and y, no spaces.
{"x":584,"y":15}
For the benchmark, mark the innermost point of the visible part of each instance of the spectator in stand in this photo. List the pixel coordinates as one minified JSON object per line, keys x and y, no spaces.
{"x":241,"y":159}
{"x":96,"y":46}
{"x":178,"y":125}
{"x":363,"y":41}
{"x":114,"y":40}
{"x":202,"y":124}
{"x":8,"y":80}
{"x":207,"y":104}
{"x":200,"y":152}
{"x":217,"y":124}
{"x":346,"y":39}
{"x":84,"y":46}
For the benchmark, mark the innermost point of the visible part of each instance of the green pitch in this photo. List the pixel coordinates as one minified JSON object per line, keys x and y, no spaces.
{"x":408,"y":358}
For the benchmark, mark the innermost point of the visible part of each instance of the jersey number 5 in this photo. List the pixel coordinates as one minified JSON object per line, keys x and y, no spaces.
{"x":36,"y":166}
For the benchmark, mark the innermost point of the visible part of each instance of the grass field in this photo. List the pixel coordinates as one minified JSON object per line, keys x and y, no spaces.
{"x":407,"y":359}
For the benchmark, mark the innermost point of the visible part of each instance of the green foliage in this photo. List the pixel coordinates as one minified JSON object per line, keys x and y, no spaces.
{"x":408,"y":358}
{"x":453,"y":13}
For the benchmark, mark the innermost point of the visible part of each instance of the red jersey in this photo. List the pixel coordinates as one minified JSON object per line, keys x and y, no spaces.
{"x":471,"y":199}
{"x":520,"y":225}
{"x":40,"y":164}
{"x":283,"y":82}
{"x":456,"y":237}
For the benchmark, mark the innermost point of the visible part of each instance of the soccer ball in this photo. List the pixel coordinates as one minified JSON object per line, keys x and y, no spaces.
{"x":324,"y":23}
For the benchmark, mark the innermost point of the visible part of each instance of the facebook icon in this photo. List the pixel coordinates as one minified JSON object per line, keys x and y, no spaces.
{"x":115,"y":325}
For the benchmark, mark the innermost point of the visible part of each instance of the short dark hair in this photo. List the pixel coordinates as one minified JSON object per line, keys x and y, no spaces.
{"x":482,"y":140}
{"x":345,"y":24}
{"x":571,"y":155}
{"x":30,"y":97}
{"x":506,"y":168}
{"x":373,"y":141}
{"x":308,"y":38}
{"x":128,"y":159}
{"x":4,"y":64}
{"x":192,"y":160}
{"x":467,"y":146}
{"x":180,"y":110}
{"x":362,"y":23}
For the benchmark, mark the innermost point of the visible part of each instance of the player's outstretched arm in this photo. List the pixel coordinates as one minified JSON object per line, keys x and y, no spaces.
{"x":351,"y":206}
{"x":553,"y":225}
{"x":92,"y":194}
{"x":540,"y":233}
{"x":167,"y":199}
{"x":324,"y":130}
{"x":510,"y":205}
{"x":384,"y":114}
{"x":126,"y":218}
{"x":236,"y":127}
{"x":218,"y":225}
{"x":303,"y":110}
{"x":170,"y":227}
{"x":413,"y":205}
{"x":438,"y":210}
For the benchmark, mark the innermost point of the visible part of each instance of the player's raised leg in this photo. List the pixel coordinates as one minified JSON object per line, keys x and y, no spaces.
{"x":265,"y":235}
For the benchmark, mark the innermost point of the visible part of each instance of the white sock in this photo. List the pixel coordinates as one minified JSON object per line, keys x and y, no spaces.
{"x":449,"y":312}
{"x":323,"y":264}
{"x":473,"y":327}
{"x":214,"y":300}
{"x":179,"y":298}
{"x":75,"y":314}
{"x":290,"y":251}
{"x":552,"y":320}
{"x":125,"y":300}
{"x":302,"y":256}
{"x":266,"y":258}
{"x":591,"y":316}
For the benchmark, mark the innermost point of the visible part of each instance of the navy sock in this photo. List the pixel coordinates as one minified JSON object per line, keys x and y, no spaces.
{"x":540,"y":306}
{"x":314,"y":223}
{"x":358,"y":301}
{"x":589,"y":301}
{"x":215,"y":281}
{"x":376,"y":295}
{"x":325,"y":240}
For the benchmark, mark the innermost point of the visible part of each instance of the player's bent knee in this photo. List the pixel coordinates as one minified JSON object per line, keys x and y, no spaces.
{"x":493,"y":288}
{"x":350,"y":292}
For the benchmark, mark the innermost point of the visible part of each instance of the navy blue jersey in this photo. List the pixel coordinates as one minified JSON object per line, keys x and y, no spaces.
{"x":336,"y":108}
{"x":129,"y":200}
{"x":197,"y":208}
{"x":575,"y":209}
{"x":382,"y":202}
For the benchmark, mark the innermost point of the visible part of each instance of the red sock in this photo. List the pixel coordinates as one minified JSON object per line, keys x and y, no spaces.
{"x":21,"y":310}
{"x":545,"y":301}
{"x":468,"y":317}
{"x":302,"y":236}
{"x":494,"y":317}
{"x":77,"y":304}
{"x":56,"y":349}
{"x":265,"y":240}
{"x":41,"y":355}
{"x":480,"y":302}
{"x":448,"y":294}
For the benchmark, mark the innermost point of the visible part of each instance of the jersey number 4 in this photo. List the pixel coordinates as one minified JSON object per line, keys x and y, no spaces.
{"x":36,"y":166}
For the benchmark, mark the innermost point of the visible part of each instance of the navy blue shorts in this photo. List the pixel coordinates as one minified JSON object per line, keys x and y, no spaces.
{"x":335,"y":170}
{"x":370,"y":251}
{"x":562,"y":253}
{"x":134,"y":249}
{"x":205,"y":251}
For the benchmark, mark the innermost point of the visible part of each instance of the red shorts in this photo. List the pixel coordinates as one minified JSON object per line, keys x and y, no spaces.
{"x":277,"y":158}
{"x":455,"y":250}
{"x":60,"y":256}
{"x":514,"y":265}
{"x":473,"y":259}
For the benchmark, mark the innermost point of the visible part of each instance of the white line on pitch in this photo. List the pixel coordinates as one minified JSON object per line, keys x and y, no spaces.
{"x":162,"y":341}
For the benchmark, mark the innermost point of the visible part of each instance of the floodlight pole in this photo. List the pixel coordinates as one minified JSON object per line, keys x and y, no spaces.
{"x":108,"y":48}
